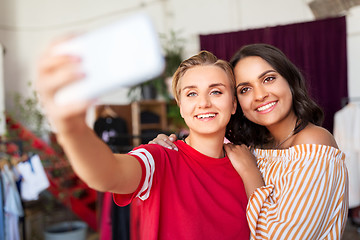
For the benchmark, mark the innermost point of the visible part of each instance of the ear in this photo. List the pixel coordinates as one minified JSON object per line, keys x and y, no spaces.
{"x":234,"y":106}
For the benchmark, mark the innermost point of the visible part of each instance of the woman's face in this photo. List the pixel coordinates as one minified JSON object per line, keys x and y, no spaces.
{"x":264,"y":95}
{"x":206,"y":99}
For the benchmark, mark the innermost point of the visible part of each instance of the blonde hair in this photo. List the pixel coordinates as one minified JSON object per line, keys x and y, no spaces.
{"x":203,"y":58}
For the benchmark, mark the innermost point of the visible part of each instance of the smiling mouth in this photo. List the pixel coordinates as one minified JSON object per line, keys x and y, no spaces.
{"x":265,"y":107}
{"x":204,"y":116}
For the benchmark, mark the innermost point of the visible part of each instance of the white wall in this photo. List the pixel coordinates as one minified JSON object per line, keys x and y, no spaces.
{"x":353,"y":53}
{"x":26,"y":26}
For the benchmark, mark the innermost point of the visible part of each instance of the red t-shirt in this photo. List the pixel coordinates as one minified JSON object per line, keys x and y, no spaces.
{"x":187,"y":195}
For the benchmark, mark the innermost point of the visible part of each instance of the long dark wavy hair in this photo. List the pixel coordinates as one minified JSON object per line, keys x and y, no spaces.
{"x":242,"y":131}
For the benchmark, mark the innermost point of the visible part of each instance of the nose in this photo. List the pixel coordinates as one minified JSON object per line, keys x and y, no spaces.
{"x":204,"y":101}
{"x":260,"y":93}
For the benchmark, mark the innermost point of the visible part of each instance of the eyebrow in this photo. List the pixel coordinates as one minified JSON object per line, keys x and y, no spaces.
{"x":210,"y":86}
{"x":266,"y":72}
{"x":260,"y":76}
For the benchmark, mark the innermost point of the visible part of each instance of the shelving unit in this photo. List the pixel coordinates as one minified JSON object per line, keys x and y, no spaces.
{"x":154,"y":106}
{"x":131,"y":113}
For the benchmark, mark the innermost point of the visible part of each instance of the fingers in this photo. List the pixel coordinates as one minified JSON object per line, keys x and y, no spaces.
{"x":172,"y":137}
{"x":229,"y":146}
{"x":55,"y":71}
{"x":170,"y":144}
{"x":165,"y":141}
{"x":236,"y":149}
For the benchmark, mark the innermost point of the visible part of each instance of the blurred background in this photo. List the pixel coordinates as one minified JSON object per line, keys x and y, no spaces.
{"x":185,"y":27}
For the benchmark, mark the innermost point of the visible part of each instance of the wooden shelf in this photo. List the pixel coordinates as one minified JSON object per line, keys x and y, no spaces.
{"x":154,"y":106}
{"x":131,"y":113}
{"x":147,"y":126}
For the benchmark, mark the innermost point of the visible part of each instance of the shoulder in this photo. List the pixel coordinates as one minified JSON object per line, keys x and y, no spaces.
{"x":155,"y":150}
{"x":146,"y":150}
{"x":313,"y":134}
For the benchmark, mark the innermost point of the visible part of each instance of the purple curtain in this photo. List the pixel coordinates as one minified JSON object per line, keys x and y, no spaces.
{"x":317,"y":48}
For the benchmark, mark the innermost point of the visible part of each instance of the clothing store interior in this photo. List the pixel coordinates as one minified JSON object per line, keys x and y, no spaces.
{"x":41,"y":196}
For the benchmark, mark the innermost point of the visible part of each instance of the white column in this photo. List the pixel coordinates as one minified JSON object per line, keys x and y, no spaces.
{"x":2,"y":93}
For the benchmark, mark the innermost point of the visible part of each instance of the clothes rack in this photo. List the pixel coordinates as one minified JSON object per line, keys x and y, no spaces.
{"x":11,"y":160}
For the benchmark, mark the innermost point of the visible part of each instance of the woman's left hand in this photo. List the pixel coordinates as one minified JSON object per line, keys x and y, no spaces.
{"x":245,"y":164}
{"x":241,"y":157}
{"x":165,"y":141}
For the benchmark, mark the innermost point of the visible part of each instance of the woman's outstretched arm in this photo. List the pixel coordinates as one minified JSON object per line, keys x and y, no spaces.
{"x":91,"y":158}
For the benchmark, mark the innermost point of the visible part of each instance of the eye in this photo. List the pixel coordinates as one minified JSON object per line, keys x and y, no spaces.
{"x":191,"y":94}
{"x":269,"y":79}
{"x":244,"y":90}
{"x":216,"y":92}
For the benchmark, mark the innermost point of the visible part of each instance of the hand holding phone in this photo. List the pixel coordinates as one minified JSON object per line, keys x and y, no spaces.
{"x":122,"y":54}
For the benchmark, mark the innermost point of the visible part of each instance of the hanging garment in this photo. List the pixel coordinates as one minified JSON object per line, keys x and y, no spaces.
{"x":34,"y":178}
{"x":114,"y":219}
{"x":120,"y":217}
{"x":113,"y":131}
{"x":347,"y":136}
{"x":105,"y":224}
{"x":12,"y":205}
{"x":2,"y":217}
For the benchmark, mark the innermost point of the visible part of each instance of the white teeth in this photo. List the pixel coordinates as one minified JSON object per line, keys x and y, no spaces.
{"x":267,"y":106}
{"x":209,"y":115}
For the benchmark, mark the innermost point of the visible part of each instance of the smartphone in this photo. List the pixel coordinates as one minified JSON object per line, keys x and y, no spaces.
{"x":122,"y":54}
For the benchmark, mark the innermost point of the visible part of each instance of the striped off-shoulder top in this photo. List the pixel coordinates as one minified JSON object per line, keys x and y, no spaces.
{"x":305,"y":194}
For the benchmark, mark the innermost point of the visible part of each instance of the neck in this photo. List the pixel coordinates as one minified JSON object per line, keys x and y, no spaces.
{"x":283,"y":131}
{"x":211,"y":146}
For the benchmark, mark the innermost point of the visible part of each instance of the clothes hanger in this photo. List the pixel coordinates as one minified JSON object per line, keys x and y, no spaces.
{"x":3,"y":162}
{"x":108,"y":112}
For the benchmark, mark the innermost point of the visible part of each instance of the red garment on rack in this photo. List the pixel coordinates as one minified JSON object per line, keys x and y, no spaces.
{"x":105,"y":224}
